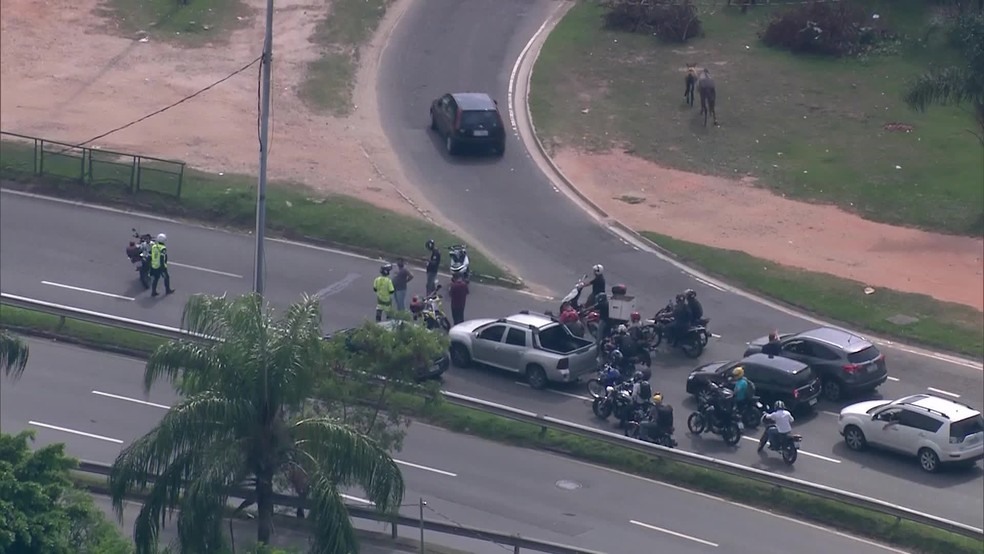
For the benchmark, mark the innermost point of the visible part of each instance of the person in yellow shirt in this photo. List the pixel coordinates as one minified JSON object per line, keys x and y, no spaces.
{"x":383,"y":287}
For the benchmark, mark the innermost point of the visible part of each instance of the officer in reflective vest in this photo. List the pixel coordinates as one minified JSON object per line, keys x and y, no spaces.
{"x":158,"y":265}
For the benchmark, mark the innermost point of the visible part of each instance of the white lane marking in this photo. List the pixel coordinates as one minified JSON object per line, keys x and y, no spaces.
{"x":134,"y":400}
{"x":206,"y":270}
{"x":674,"y":533}
{"x":835,"y":414}
{"x":357,"y":499}
{"x":537,"y":296}
{"x":562,"y":393}
{"x":803,"y":452}
{"x":515,"y":71}
{"x":950,"y":394}
{"x":709,"y":284}
{"x":90,"y":291}
{"x":425,"y":468}
{"x":894,"y":379}
{"x":715,"y":335}
{"x":74,"y":432}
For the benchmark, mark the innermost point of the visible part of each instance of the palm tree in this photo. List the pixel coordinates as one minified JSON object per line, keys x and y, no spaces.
{"x":13,"y":355}
{"x":242,"y":424}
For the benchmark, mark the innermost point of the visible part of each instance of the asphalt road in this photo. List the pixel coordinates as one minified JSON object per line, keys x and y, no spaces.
{"x":94,"y":264}
{"x":462,"y":479}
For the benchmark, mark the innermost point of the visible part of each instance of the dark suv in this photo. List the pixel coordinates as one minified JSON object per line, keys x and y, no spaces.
{"x":774,"y":378}
{"x":468,"y":119}
{"x":846,"y":363}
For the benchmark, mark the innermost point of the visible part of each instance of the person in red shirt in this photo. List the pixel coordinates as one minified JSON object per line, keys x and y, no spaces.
{"x":458,"y":292}
{"x":570,"y":319}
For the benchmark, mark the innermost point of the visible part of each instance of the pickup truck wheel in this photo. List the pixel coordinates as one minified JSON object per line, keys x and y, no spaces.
{"x":536,"y":377}
{"x":460,"y":356}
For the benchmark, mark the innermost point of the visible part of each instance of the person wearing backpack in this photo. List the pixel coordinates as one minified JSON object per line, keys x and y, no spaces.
{"x":642,"y":394}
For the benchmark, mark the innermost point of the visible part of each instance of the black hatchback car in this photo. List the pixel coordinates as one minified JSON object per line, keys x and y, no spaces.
{"x":774,"y":378}
{"x":846,"y":363}
{"x":466,"y":119}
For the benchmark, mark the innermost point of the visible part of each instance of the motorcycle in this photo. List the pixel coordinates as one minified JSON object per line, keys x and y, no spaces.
{"x":589,"y":317}
{"x":655,"y":329}
{"x":608,"y":376}
{"x":617,"y":401}
{"x":752,"y":412}
{"x":138,"y":252}
{"x":459,"y":260}
{"x":787,"y":445}
{"x":663,"y":437}
{"x":719,"y":418}
{"x":433,"y":314}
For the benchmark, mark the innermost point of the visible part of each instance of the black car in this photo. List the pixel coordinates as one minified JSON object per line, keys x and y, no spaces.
{"x":774,"y":378}
{"x":468,"y":119}
{"x":434,"y":371}
{"x":846,"y":363}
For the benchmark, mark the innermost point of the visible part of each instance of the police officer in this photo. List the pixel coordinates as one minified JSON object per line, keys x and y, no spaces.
{"x":383,"y":287}
{"x":433,"y":265}
{"x":158,"y":265}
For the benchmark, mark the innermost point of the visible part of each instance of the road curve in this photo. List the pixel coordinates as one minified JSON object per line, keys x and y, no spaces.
{"x":462,"y":479}
{"x":82,"y":248}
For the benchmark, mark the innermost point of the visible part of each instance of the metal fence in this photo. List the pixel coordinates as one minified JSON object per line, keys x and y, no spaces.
{"x":546,"y":422}
{"x":90,"y":166}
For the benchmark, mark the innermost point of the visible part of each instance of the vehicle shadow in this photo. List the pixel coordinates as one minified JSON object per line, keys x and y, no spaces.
{"x":473,"y":156}
{"x":908,"y":468}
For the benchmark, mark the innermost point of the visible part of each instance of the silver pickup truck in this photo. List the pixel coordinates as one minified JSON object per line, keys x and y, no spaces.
{"x":533,"y":345}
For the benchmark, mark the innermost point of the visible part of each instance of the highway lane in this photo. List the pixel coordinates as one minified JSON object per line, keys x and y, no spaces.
{"x":462,"y":479}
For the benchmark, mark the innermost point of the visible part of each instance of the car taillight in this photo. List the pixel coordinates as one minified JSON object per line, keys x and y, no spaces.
{"x":851,"y":368}
{"x":796,"y":393}
{"x":564,"y":363}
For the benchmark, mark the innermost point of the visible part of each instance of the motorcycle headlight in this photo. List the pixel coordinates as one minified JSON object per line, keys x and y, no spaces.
{"x":609,"y":389}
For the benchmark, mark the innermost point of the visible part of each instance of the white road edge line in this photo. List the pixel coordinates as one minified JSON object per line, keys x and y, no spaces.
{"x":425,"y":468}
{"x":950,"y":394}
{"x":510,"y":92}
{"x":895,"y":379}
{"x":134,"y":400}
{"x":674,"y":533}
{"x":562,"y":393}
{"x":74,"y":432}
{"x":206,"y":270}
{"x":803,"y":452}
{"x":90,"y":291}
{"x":835,"y":414}
{"x":709,"y":284}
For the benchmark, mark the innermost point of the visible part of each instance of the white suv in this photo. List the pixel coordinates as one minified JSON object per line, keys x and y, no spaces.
{"x":935,"y":430}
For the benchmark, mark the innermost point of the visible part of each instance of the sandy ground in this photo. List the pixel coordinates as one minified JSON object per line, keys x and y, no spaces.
{"x":740,"y":216}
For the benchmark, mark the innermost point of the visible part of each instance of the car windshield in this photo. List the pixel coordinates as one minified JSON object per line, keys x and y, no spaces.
{"x":485,"y":118}
{"x":966,"y":427}
{"x":862,"y":356}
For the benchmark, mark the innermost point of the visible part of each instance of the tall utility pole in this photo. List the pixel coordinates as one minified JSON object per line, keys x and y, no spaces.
{"x":260,"y":260}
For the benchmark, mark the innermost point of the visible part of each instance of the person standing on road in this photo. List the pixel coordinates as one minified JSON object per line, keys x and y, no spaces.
{"x":158,"y":265}
{"x":433,"y":265}
{"x":458,"y":291}
{"x":383,"y":287}
{"x":400,"y":280}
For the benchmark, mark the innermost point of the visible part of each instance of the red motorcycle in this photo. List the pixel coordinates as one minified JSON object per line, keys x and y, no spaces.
{"x":589,"y":316}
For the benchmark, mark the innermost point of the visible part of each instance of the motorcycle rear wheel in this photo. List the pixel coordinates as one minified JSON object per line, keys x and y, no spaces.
{"x":789,"y":455}
{"x":601,"y":408}
{"x":731,"y":434}
{"x":696,"y":423}
{"x":656,"y":338}
{"x":595,"y":388}
{"x":693,"y":347}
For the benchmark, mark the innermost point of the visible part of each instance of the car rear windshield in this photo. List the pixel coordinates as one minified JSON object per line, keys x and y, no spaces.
{"x":967,"y":427}
{"x":862,"y":356}
{"x":486,"y":118}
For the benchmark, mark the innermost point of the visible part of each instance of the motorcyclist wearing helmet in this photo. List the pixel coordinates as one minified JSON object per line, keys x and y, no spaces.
{"x":631,"y":347}
{"x":743,"y":388}
{"x":783,"y":425}
{"x":660,"y":421}
{"x":571,"y":319}
{"x":681,"y":319}
{"x":433,"y":265}
{"x":383,"y":287}
{"x":642,"y":393}
{"x":158,"y":265}
{"x":696,"y":310}
{"x":597,"y":284}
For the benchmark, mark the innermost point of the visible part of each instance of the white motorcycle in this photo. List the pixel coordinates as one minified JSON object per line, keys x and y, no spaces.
{"x":459,"y":260}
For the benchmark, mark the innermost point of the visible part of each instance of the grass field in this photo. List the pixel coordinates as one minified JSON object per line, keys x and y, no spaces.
{"x":464,"y":420}
{"x":950,"y":327}
{"x":808,"y":128}
{"x":330,"y":80}
{"x":293,"y":211}
{"x":192,"y":24}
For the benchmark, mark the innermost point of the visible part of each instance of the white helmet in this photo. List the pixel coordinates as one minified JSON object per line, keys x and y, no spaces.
{"x":162,"y":238}
{"x":598,"y":268}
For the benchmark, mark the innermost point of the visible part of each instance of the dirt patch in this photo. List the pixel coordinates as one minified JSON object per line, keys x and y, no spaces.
{"x":62,"y":79}
{"x":736,"y":215}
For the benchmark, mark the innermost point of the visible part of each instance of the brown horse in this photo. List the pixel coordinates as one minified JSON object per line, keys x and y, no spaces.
{"x":705,"y":87}
{"x":689,"y":81}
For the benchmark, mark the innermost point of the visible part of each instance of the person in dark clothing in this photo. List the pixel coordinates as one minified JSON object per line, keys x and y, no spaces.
{"x":597,"y":284}
{"x":696,"y":310}
{"x":400,"y":280}
{"x":681,"y":319}
{"x":631,"y":347}
{"x":433,"y":265}
{"x":773,"y":347}
{"x":458,"y":291}
{"x":604,"y":320}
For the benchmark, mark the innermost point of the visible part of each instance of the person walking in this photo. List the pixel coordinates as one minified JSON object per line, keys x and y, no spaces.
{"x":158,"y":265}
{"x":383,"y":287}
{"x":400,"y":280}
{"x":433,"y":265}
{"x":458,"y":291}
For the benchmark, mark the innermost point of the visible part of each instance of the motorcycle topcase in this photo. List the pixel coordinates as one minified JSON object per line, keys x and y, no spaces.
{"x":619,"y":290}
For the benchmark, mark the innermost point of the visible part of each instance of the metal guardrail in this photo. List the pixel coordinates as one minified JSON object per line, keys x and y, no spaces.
{"x":517,"y":542}
{"x":89,"y":165}
{"x":546,"y":422}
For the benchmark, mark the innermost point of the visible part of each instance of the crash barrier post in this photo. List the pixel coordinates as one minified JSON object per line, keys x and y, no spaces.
{"x":546,"y":422}
{"x":89,"y":166}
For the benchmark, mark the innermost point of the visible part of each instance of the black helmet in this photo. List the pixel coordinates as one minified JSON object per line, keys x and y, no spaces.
{"x":690,"y":293}
{"x":680,"y":298}
{"x":638,"y":376}
{"x":385,"y":269}
{"x":616,"y":355}
{"x":430,"y":244}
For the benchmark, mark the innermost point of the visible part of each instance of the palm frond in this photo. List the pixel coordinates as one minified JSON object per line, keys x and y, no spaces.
{"x":347,"y":456}
{"x":296,"y":353}
{"x":223,"y":466}
{"x":13,"y":355}
{"x":205,"y":314}
{"x":197,"y":364}
{"x":333,"y":532}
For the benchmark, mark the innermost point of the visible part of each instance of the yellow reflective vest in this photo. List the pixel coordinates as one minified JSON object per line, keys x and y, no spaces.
{"x":158,"y":256}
